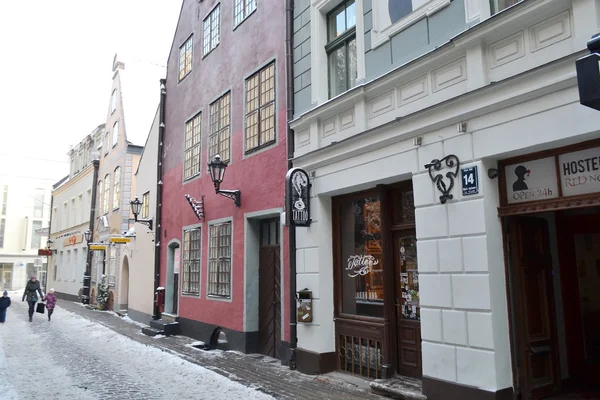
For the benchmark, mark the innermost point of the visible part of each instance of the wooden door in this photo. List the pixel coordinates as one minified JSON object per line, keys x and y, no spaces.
{"x":175,"y":294}
{"x":407,"y":304}
{"x":269,"y":311}
{"x":534,"y":305}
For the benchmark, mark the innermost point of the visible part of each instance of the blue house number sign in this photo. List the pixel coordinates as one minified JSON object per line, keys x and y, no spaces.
{"x":470,"y":183}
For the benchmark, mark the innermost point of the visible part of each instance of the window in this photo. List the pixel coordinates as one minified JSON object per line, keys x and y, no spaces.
{"x":84,"y":252}
{"x":4,"y":199}
{"x":106,"y":142}
{"x":191,"y":165}
{"x":81,"y":208}
{"x":80,"y":164}
{"x":35,"y":238}
{"x":185,"y":58}
{"x":115,"y":133}
{"x":341,"y":48}
{"x":211,"y":30}
{"x":65,"y":216}
{"x":260,"y":108}
{"x":218,"y":141}
{"x":146,"y":205}
{"x":117,"y":189}
{"x":499,"y":5}
{"x":38,"y":205}
{"x":2,"y":230}
{"x":100,"y":183}
{"x":113,"y":101}
{"x":191,"y":262}
{"x":60,"y":266}
{"x":88,"y":203}
{"x":75,"y":265}
{"x":67,"y":265}
{"x":54,"y":220}
{"x":73,"y":214}
{"x":242,"y":9}
{"x":219,"y":260}
{"x":106,"y":193}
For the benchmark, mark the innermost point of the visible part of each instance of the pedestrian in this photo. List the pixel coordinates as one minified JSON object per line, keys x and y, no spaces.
{"x":50,"y":302}
{"x":4,"y":304}
{"x":31,"y":290}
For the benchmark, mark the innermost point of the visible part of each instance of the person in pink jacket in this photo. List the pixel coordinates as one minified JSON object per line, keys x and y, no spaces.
{"x":50,"y":302}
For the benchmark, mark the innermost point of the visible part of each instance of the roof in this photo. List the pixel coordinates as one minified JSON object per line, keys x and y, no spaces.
{"x":60,"y":183}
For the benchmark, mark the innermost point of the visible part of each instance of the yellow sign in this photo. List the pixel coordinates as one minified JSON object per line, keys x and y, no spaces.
{"x":119,"y":240}
{"x":97,"y":247}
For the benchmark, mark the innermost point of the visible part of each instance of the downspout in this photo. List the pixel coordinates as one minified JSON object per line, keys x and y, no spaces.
{"x":87,"y":277}
{"x":289,"y":70}
{"x":159,"y":184}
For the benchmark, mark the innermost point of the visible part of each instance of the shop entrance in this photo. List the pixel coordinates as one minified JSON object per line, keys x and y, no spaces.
{"x":554,"y":274}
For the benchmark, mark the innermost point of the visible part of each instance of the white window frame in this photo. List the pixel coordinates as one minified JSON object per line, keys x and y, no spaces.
{"x":115,"y":136}
{"x":245,"y":12}
{"x":185,"y":260}
{"x":211,"y":27}
{"x":209,"y":295}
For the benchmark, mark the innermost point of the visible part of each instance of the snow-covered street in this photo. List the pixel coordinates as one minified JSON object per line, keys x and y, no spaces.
{"x":74,"y":358}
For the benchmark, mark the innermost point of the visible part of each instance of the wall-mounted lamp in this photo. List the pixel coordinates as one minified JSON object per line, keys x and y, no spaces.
{"x":136,"y":207}
{"x":49,"y":246}
{"x":88,"y":235}
{"x":217,"y":173}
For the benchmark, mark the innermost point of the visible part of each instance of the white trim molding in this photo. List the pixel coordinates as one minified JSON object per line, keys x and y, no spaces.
{"x":382,"y":30}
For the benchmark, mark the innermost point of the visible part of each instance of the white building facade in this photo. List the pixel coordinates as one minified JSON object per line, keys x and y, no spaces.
{"x":71,"y":203}
{"x":24,"y":209}
{"x":455,"y":290}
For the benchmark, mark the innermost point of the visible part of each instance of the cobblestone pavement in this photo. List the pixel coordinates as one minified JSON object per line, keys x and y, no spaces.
{"x":263,"y":373}
{"x":77,"y":358}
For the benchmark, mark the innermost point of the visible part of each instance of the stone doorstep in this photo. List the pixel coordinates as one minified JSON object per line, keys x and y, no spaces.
{"x":399,"y":387}
{"x":169,"y":317}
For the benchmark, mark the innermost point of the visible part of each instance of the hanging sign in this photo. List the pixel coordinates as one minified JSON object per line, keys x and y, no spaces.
{"x":470,"y":181}
{"x":298,"y":197}
{"x":72,"y":240}
{"x":97,"y":247}
{"x":120,"y":240}
{"x":531,"y":181}
{"x":580,"y":172}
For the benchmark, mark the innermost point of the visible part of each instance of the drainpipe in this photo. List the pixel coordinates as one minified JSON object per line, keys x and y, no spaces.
{"x":87,"y":277}
{"x":289,"y":66}
{"x":49,"y":258}
{"x":159,"y":184}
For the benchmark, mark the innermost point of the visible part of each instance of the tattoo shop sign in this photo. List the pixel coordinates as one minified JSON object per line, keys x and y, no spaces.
{"x":297,"y":197}
{"x":360,"y":265}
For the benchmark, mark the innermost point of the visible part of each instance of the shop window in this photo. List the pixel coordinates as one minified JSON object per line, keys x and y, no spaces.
{"x":362,"y":271}
{"x":341,"y":48}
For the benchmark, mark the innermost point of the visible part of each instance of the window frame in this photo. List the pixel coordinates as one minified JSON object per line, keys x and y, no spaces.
{"x":183,"y":68}
{"x":247,"y":113}
{"x":116,"y":198}
{"x":211,"y":293}
{"x":190,"y":149}
{"x":342,"y":41}
{"x":207,"y":45}
{"x":145,"y":205}
{"x":106,"y":204}
{"x":115,"y":134}
{"x":220,"y":129}
{"x":38,"y":204}
{"x":245,"y":14}
{"x":106,"y":142}
{"x":113,"y":101}
{"x":36,"y":240}
{"x":186,"y":261}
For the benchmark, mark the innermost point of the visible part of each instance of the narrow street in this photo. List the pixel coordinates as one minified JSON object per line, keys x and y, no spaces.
{"x":74,"y":358}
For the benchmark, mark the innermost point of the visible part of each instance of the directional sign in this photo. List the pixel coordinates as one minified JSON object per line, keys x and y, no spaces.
{"x":120,"y":240}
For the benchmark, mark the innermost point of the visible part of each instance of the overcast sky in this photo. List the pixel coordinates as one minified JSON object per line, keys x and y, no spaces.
{"x":55,"y":65}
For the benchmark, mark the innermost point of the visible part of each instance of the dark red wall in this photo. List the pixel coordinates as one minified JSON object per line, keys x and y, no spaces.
{"x":260,"y":177}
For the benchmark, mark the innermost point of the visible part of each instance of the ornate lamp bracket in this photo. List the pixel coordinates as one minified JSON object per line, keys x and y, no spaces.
{"x":435,"y":167}
{"x":197,"y":205}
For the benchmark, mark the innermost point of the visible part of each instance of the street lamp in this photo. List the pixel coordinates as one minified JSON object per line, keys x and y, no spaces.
{"x":88,"y":236}
{"x":136,"y":208}
{"x":217,"y":173}
{"x":49,"y":246}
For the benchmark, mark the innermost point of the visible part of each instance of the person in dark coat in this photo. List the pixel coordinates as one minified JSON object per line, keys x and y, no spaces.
{"x":31,"y":290}
{"x":4,"y":304}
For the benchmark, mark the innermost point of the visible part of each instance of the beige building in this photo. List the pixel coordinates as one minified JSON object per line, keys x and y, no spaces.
{"x":70,"y":218}
{"x":119,"y":159}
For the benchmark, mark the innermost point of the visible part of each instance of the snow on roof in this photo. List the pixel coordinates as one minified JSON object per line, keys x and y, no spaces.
{"x":140,"y":94}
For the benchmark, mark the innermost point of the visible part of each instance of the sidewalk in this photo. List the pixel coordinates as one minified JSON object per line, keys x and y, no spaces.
{"x":264,"y":373}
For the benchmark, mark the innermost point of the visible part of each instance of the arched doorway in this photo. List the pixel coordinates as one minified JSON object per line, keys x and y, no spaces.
{"x":124,"y":295}
{"x":172,"y":281}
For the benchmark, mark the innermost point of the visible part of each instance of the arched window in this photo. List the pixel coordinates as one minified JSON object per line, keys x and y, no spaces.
{"x":106,"y":193}
{"x":115,"y":133}
{"x":117,"y":188}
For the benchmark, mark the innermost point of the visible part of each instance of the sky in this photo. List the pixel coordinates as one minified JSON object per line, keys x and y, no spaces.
{"x":56,"y":68}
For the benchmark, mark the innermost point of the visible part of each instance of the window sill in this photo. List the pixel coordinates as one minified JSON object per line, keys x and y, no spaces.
{"x":211,"y":50}
{"x":258,"y":148}
{"x":217,"y":297}
{"x":190,"y":295}
{"x":244,"y":19}
{"x":185,"y":76}
{"x":192,"y":178}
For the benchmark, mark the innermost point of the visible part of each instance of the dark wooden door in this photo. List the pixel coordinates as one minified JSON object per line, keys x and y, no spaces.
{"x":534,"y":301}
{"x":175,"y":293}
{"x":269,"y":312}
{"x":407,"y":304}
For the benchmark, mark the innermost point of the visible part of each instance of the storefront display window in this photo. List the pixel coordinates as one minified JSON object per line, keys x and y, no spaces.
{"x":361,"y":257}
{"x":409,"y":278}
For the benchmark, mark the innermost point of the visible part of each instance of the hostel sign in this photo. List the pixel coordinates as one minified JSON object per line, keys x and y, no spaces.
{"x":580,"y":172}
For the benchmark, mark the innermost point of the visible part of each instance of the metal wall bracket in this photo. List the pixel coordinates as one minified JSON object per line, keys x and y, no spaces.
{"x":449,"y":162}
{"x":197,"y":205}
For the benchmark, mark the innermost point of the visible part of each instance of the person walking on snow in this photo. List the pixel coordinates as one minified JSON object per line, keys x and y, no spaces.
{"x":4,"y":304}
{"x":50,"y":302}
{"x":31,"y":290}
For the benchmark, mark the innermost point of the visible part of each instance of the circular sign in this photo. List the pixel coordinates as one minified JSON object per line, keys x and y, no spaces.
{"x":402,"y":250}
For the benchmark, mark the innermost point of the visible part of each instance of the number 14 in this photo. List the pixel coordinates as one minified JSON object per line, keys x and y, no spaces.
{"x":469,"y":179}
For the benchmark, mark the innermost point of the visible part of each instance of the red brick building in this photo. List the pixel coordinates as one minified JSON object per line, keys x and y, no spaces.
{"x":224,"y":267}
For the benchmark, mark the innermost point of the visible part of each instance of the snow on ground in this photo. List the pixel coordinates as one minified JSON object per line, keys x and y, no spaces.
{"x":75,"y":358}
